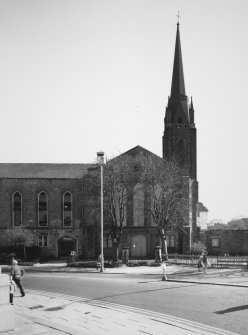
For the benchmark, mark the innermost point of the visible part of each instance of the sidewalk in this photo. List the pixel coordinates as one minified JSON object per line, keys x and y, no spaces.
{"x":49,"y":313}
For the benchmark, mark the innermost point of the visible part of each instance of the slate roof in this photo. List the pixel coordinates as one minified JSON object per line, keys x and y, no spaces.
{"x":43,"y":170}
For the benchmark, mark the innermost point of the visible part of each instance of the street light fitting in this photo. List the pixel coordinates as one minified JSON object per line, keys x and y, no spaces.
{"x":100,"y":157}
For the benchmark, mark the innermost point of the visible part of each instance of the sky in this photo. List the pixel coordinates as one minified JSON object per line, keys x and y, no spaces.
{"x":82,"y":76}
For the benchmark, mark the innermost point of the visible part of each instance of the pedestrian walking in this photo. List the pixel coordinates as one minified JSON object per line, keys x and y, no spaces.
{"x":17,"y":273}
{"x":12,"y":288}
{"x":205,"y":261}
{"x":200,"y":263}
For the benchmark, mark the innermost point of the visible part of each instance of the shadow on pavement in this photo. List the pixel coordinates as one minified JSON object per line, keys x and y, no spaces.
{"x":232,"y":309}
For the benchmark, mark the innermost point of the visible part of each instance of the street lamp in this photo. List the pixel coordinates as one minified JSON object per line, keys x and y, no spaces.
{"x":100,"y":160}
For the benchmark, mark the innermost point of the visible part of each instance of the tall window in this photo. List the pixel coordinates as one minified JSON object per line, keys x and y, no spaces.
{"x":42,"y":241}
{"x":171,"y":241}
{"x":107,"y":242}
{"x":67,"y":209}
{"x":138,"y":206}
{"x":17,"y":209}
{"x":42,"y":210}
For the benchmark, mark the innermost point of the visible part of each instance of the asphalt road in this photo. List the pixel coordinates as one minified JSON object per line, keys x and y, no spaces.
{"x":218,"y":306}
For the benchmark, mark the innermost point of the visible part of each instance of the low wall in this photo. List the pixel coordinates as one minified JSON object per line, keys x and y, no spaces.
{"x":229,"y":241}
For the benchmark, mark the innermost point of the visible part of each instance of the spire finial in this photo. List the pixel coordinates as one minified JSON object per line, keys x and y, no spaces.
{"x":178,"y":17}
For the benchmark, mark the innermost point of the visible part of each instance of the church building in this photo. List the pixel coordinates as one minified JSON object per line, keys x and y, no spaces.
{"x":53,"y":200}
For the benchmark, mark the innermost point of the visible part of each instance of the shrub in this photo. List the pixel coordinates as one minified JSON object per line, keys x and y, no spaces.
{"x":198,"y":248}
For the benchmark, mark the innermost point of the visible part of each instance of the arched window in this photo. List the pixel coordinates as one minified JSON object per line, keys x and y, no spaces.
{"x":181,"y":153}
{"x":67,"y":209}
{"x":42,"y":210}
{"x":138,"y":206}
{"x":17,"y":209}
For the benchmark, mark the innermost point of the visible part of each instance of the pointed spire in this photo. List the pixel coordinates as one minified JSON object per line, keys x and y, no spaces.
{"x":191,"y":112}
{"x":191,"y":103}
{"x":177,"y":85}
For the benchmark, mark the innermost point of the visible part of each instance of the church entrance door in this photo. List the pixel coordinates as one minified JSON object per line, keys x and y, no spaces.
{"x":139,"y":246}
{"x":66,"y":245}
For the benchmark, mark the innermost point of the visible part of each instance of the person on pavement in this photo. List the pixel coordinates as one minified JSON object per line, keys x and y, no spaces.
{"x":200,"y":263}
{"x":17,"y":273}
{"x":205,"y":261}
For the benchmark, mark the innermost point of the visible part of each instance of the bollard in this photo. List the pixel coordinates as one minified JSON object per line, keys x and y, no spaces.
{"x":7,"y":314}
{"x":163,"y":265}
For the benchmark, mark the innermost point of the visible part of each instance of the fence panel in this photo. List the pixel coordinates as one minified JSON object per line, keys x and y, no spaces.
{"x":216,"y":261}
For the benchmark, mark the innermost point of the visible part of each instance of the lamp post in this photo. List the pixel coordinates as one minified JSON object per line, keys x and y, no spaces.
{"x":100,"y":159}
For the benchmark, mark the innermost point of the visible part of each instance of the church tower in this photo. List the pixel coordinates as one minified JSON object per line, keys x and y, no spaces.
{"x":179,"y":139}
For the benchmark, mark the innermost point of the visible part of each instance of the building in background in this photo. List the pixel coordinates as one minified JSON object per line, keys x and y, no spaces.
{"x":202,"y":216}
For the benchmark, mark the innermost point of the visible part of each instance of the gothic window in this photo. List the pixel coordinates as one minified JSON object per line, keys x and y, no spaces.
{"x":138,"y":206}
{"x":42,"y":210}
{"x":17,"y":209}
{"x":181,"y":153}
{"x":67,"y":209}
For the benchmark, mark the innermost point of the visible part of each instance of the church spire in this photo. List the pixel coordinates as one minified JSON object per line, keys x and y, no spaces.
{"x":179,"y":139}
{"x":177,"y":85}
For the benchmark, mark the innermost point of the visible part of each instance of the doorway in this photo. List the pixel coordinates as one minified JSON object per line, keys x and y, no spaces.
{"x":66,"y":245}
{"x":139,"y":246}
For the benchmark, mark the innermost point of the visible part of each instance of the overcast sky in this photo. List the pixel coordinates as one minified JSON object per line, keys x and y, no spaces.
{"x":79,"y":76}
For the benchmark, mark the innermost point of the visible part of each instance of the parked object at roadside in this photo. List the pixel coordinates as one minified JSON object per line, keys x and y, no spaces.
{"x":17,"y":273}
{"x":12,"y":288}
{"x":164,"y":266}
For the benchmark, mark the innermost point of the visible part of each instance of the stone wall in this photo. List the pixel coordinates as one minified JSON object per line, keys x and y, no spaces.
{"x":222,"y":241}
{"x":54,"y":188}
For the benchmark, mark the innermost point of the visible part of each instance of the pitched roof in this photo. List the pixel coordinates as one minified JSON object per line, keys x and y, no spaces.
{"x":135,"y":151}
{"x":138,"y":149}
{"x":43,"y":170}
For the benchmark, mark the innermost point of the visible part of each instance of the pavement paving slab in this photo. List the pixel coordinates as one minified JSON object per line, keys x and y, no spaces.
{"x":69,"y":316}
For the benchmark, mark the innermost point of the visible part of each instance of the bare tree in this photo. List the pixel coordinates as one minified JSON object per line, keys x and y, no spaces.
{"x":120,"y":176}
{"x":164,"y":181}
{"x":19,"y":236}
